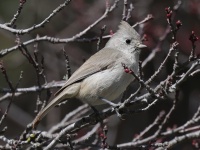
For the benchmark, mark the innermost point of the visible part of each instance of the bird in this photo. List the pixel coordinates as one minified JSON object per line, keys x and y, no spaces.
{"x":102,"y":76}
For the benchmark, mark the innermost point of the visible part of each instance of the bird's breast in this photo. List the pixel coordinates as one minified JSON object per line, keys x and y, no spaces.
{"x":108,"y":84}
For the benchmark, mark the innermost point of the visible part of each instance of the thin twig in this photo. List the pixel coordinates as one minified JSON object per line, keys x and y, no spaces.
{"x":46,"y":20}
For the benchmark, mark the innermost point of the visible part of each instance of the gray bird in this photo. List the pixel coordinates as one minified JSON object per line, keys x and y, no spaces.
{"x":102,"y":75}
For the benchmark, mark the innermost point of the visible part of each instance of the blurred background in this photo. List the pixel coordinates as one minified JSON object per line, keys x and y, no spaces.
{"x":71,"y":20}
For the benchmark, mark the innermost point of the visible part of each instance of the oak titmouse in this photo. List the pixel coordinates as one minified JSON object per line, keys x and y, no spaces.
{"x":102,"y":75}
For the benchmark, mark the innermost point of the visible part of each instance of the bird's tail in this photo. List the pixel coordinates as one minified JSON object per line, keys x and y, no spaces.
{"x":67,"y":92}
{"x":44,"y":111}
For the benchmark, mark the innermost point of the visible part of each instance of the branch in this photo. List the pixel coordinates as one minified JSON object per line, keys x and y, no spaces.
{"x":28,"y":30}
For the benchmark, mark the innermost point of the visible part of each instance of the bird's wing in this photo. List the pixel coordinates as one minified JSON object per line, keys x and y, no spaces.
{"x":98,"y":62}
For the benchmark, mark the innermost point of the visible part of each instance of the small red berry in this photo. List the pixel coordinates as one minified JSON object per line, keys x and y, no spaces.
{"x":169,"y":15}
{"x":167,"y":9}
{"x":178,"y":23}
{"x":193,"y":37}
{"x":126,"y":70}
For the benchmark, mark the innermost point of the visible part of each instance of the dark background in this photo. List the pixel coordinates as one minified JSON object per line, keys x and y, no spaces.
{"x":74,"y":18}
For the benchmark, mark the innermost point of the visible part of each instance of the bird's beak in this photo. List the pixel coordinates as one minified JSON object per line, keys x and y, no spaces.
{"x":141,"y":46}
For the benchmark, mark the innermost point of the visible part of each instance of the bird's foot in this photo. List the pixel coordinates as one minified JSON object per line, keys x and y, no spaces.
{"x":96,"y":115}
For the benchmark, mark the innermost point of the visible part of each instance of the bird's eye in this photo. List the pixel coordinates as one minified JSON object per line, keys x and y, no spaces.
{"x":128,"y":41}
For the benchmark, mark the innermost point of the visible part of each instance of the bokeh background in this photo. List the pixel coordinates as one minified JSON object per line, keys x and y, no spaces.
{"x":74,"y":18}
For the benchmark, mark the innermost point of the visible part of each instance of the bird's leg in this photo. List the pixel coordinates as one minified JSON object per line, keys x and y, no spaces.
{"x":94,"y":109}
{"x":96,"y":114}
